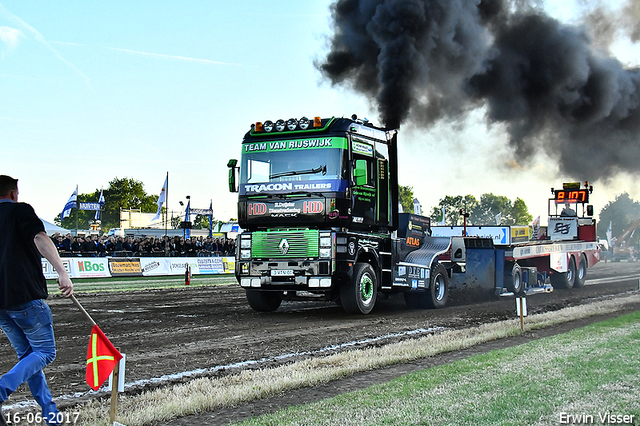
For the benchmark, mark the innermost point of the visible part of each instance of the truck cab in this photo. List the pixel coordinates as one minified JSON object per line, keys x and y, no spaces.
{"x":316,"y":198}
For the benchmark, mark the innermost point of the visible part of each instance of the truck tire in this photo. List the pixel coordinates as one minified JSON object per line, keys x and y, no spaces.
{"x":565,"y":279}
{"x":264,"y":301}
{"x":358,"y":296}
{"x":581,"y":272}
{"x":438,"y":292}
{"x":513,"y":280}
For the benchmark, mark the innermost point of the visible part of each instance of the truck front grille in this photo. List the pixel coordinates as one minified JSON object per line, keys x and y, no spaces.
{"x":285,"y":244}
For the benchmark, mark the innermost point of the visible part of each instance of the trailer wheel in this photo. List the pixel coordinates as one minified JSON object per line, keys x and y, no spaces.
{"x":581,"y":273}
{"x":358,"y":296}
{"x":513,"y":279}
{"x":438,"y":292}
{"x":565,"y":279}
{"x":264,"y":301}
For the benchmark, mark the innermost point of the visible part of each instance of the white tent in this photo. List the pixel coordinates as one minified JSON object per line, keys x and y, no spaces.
{"x":51,"y":229}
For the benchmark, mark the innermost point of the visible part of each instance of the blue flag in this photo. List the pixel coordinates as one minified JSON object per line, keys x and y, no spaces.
{"x":101,"y":202}
{"x":187,"y":218}
{"x":66,"y":211}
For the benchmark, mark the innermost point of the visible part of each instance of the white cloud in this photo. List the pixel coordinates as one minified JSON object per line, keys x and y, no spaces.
{"x":10,"y":37}
{"x":171,"y":57}
{"x":35,"y":34}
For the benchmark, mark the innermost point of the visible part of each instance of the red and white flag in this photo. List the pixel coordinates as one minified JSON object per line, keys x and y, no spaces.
{"x":102,"y":358}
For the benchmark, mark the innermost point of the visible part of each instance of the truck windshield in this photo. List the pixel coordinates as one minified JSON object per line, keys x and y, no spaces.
{"x":287,"y":166}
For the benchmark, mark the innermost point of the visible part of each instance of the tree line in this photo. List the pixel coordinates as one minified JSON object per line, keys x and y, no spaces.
{"x":121,"y":194}
{"x":489,"y":210}
{"x":128,"y":193}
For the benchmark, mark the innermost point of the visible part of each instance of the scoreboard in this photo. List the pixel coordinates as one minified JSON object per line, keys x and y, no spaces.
{"x":571,"y":193}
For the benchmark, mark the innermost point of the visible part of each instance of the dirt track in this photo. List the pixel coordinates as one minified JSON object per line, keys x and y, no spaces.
{"x":174,"y":331}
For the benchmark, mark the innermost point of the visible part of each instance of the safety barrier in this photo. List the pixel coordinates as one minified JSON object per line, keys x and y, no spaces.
{"x":105,"y":267}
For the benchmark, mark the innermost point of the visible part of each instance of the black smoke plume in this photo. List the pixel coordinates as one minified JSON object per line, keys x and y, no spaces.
{"x":429,"y":60}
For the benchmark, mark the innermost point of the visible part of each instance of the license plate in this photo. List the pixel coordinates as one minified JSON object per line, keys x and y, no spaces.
{"x":282,"y":272}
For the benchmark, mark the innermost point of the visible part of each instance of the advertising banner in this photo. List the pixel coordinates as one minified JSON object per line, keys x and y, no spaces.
{"x":95,"y":267}
{"x":50,"y":273}
{"x":562,"y":228}
{"x":211,"y":265}
{"x":153,"y":266}
{"x":178,"y":266}
{"x":501,"y":235}
{"x":125,"y":267}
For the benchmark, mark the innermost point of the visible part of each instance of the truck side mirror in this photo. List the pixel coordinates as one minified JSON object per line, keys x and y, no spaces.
{"x":232,"y":175}
{"x":360,"y":172}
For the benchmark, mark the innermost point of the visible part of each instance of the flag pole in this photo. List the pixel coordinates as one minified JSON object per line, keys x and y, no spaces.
{"x":86,"y":314}
{"x":77,"y":209}
{"x":114,"y":393}
{"x":116,"y":370}
{"x":166,"y":203}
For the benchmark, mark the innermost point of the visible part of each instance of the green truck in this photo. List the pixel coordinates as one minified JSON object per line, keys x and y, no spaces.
{"x":318,"y":200}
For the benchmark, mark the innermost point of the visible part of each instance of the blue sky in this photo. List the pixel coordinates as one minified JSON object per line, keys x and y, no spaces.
{"x":96,"y":90}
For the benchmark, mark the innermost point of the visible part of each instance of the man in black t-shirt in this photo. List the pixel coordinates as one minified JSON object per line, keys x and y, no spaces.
{"x":24,"y":316}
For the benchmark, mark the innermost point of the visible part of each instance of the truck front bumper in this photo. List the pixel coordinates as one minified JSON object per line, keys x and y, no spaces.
{"x":285,"y":275}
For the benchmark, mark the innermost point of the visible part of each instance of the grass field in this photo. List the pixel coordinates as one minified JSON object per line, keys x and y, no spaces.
{"x":591,"y":371}
{"x":581,"y":377}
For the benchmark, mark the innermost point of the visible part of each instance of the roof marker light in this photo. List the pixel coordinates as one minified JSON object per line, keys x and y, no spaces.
{"x":317,"y":122}
{"x":304,"y":123}
{"x":292,"y":123}
{"x":259,"y":127}
{"x":280,"y":125}
{"x":268,"y":126}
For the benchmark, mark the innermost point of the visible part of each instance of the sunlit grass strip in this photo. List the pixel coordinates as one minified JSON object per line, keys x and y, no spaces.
{"x":589,"y":373}
{"x":208,"y":394}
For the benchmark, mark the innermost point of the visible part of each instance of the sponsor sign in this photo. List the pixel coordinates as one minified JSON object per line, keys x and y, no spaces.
{"x":320,"y":185}
{"x":520,"y":234}
{"x":279,"y":209}
{"x":179,"y":265}
{"x":83,"y":267}
{"x":210,"y":265}
{"x":90,"y":206}
{"x":362,"y":148}
{"x":153,"y":266}
{"x":562,"y":228}
{"x":553,"y":249}
{"x":294,"y":144}
{"x":121,"y":267}
{"x":501,"y":235}
{"x":80,"y":267}
{"x":50,"y":273}
{"x":559,"y":262}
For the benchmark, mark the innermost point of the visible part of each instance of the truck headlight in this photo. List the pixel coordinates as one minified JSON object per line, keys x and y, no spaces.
{"x":325,"y":241}
{"x":325,"y":252}
{"x":245,"y":243}
{"x":245,"y":254}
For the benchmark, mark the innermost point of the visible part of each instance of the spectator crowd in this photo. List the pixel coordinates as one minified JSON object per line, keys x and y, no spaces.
{"x":102,"y":246}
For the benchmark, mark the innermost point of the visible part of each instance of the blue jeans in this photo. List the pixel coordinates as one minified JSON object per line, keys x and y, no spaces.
{"x":30,"y":330}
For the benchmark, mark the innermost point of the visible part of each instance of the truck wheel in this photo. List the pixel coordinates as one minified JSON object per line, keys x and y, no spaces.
{"x":513,"y":280}
{"x":264,"y":301}
{"x":565,"y":279}
{"x":581,"y":273}
{"x":358,"y":296}
{"x":438,"y":292}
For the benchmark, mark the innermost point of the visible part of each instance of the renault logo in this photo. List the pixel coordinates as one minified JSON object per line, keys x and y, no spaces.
{"x":284,"y":246}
